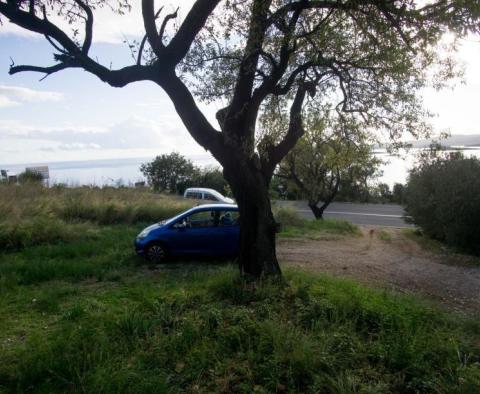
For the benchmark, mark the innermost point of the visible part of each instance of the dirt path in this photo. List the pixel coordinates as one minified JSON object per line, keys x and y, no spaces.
{"x":399,"y":263}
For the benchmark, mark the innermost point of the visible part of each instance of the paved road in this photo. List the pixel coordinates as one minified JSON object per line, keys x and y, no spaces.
{"x":390,"y":215}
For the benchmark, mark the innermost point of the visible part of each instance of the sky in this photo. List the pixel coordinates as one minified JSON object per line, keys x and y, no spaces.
{"x":71,"y":115}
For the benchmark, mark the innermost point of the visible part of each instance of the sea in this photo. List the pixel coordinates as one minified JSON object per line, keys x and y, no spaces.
{"x":126,"y":172}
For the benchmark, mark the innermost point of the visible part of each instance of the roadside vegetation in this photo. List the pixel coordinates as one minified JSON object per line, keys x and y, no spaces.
{"x":293,"y":226}
{"x":385,"y":236}
{"x":425,"y":242}
{"x":82,"y":313}
{"x":443,"y":199}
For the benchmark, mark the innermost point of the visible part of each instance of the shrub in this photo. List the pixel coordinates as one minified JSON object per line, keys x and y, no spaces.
{"x":288,"y":217}
{"x":30,"y":177}
{"x":443,"y":198}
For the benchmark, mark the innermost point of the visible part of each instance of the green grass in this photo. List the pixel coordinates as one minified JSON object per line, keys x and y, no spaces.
{"x":384,"y":236}
{"x":203,"y":329}
{"x":84,"y":314}
{"x":293,"y":226}
{"x":107,"y":248}
{"x":425,"y":242}
{"x":90,"y":316}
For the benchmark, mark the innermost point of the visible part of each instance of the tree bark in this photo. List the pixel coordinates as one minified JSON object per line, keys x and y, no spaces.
{"x":316,"y":210}
{"x":257,"y":250}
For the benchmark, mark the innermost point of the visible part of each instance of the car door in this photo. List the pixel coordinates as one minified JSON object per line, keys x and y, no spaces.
{"x":197,"y":235}
{"x":229,"y":231}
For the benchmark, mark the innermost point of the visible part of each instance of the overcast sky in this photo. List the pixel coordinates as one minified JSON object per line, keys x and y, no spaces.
{"x":72,"y":115}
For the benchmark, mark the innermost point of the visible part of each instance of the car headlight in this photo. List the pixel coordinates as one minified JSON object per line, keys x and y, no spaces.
{"x":143,"y":234}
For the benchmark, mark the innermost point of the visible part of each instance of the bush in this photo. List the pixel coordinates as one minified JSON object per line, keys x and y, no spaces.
{"x":443,"y":198}
{"x":30,"y":177}
{"x":288,"y":217}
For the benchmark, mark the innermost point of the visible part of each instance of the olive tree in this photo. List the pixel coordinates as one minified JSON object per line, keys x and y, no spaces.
{"x":323,"y":158}
{"x":367,"y":59}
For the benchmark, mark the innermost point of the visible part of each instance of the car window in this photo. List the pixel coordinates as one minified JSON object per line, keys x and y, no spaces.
{"x":229,"y":218}
{"x":202,"y":219}
{"x":194,"y":195}
{"x":208,"y":196}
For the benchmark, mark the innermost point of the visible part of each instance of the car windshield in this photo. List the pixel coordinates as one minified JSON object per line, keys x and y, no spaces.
{"x":168,"y":221}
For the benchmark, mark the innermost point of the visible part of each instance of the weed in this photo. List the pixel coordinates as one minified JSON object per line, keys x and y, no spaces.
{"x":385,"y":236}
{"x":425,"y":242}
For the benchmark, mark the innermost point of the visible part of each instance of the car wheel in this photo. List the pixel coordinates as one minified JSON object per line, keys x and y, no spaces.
{"x":156,"y":253}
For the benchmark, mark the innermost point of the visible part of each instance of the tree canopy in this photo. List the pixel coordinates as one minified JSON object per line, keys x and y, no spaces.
{"x":174,"y":173}
{"x":166,"y":171}
{"x":322,"y":159}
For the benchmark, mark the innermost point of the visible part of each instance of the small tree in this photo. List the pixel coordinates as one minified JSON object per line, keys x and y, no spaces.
{"x":322,"y":159}
{"x":168,"y":171}
{"x":384,"y":193}
{"x":399,"y":191}
{"x":443,"y":198}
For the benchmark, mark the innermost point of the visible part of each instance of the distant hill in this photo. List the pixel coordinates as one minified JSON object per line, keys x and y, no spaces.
{"x":455,"y":140}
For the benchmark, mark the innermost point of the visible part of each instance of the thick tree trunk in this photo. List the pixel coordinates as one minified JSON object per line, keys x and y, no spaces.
{"x":257,"y":255}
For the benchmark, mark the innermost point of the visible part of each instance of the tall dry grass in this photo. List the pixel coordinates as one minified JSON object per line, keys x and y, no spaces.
{"x":31,"y":214}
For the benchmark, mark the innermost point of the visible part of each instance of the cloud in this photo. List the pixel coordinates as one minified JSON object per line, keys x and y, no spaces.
{"x":132,"y":133}
{"x":75,"y":146}
{"x":11,"y":96}
{"x":7,"y":102}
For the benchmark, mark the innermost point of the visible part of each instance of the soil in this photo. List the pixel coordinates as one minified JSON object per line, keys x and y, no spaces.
{"x":393,"y":261}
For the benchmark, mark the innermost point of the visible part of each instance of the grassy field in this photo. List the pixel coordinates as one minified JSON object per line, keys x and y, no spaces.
{"x":32,"y":215}
{"x":83,"y":314}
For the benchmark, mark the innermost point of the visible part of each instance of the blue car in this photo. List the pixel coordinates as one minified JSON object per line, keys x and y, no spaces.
{"x":211,"y":229}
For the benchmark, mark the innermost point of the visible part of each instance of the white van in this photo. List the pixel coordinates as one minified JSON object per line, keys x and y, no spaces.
{"x":201,"y":193}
